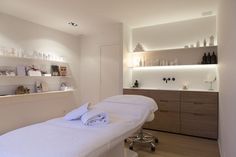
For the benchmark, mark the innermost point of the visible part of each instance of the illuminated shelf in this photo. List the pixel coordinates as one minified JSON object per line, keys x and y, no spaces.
{"x":31,"y":59}
{"x":180,"y":67}
{"x":18,"y":77}
{"x":179,"y":49}
{"x":182,"y":56}
{"x":35,"y":94}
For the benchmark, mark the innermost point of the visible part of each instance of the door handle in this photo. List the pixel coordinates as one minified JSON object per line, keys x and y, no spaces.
{"x":198,"y":103}
{"x":198,"y":114}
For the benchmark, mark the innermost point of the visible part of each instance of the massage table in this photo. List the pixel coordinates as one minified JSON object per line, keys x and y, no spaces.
{"x":61,"y":138}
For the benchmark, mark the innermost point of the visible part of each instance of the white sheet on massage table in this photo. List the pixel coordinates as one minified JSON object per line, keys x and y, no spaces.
{"x":60,"y":138}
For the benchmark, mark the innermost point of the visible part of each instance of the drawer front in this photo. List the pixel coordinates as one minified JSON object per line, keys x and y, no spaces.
{"x":199,"y":108}
{"x":200,"y":97}
{"x":165,"y":121}
{"x":169,"y":106}
{"x":161,"y":97}
{"x":199,"y":125}
{"x":157,"y":95}
{"x":136,"y":92}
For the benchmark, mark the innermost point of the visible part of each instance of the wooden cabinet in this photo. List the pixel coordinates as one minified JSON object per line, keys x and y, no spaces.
{"x":167,"y":118}
{"x":137,"y":92}
{"x":185,"y":112}
{"x":199,"y":114}
{"x":168,"y":112}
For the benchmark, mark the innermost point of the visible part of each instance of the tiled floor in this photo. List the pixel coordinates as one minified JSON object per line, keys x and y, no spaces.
{"x":173,"y":145}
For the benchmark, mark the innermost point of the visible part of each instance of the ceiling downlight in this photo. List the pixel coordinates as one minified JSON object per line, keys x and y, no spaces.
{"x":73,"y":24}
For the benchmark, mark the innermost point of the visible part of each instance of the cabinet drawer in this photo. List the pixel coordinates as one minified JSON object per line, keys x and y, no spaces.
{"x":136,"y":92}
{"x":169,"y":106}
{"x":157,"y":95}
{"x":199,"y":125}
{"x":165,"y":121}
{"x":200,"y":97}
{"x":199,"y":108}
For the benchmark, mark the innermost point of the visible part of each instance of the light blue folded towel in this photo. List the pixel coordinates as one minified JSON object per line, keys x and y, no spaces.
{"x":95,"y":117}
{"x":77,"y":113}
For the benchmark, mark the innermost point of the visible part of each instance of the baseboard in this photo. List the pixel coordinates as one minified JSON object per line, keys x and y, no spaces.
{"x":222,"y":154}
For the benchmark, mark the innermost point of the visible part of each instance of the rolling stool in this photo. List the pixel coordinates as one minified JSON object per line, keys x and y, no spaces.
{"x":143,"y":137}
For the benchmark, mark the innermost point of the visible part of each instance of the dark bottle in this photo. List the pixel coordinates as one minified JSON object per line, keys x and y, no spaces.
{"x":204,"y":59}
{"x":213,"y":58}
{"x":208,"y":61}
{"x":136,"y":84}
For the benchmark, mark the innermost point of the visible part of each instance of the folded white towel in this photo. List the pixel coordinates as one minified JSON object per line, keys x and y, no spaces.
{"x":95,"y":117}
{"x":77,"y":113}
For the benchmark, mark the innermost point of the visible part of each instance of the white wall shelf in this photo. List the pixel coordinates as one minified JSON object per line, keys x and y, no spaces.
{"x":32,"y":59}
{"x":34,"y":94}
{"x":18,"y":77}
{"x":8,"y":84}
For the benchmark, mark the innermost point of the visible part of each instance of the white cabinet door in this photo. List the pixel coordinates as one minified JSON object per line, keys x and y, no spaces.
{"x":110,"y":69}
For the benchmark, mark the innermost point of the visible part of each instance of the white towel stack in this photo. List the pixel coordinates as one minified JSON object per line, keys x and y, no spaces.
{"x":95,"y":117}
{"x":89,"y":116}
{"x":77,"y":113}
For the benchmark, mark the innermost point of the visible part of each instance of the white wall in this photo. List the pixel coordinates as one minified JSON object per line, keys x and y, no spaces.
{"x":110,"y":34}
{"x":127,"y":71}
{"x":194,"y":77}
{"x":21,"y":111}
{"x":82,"y":53}
{"x":17,"y":33}
{"x":175,"y":35}
{"x":110,"y":71}
{"x":227,"y":56}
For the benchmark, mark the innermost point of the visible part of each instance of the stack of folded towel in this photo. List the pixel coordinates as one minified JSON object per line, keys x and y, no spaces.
{"x":89,"y":116}
{"x":95,"y":117}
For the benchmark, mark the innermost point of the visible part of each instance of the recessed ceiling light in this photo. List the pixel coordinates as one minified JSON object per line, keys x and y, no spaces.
{"x":73,"y":24}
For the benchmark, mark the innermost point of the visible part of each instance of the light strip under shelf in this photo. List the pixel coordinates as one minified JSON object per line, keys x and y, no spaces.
{"x":177,"y":67}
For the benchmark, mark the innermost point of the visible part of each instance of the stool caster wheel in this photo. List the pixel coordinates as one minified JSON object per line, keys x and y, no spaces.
{"x":156,"y":140}
{"x":153,"y":149}
{"x":131,"y":147}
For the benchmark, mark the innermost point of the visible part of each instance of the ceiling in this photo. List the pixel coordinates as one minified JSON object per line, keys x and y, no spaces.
{"x":92,"y":13}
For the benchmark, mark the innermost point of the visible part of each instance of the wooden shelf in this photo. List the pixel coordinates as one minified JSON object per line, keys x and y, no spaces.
{"x":184,"y":56}
{"x":169,"y":89}
{"x":178,"y":49}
